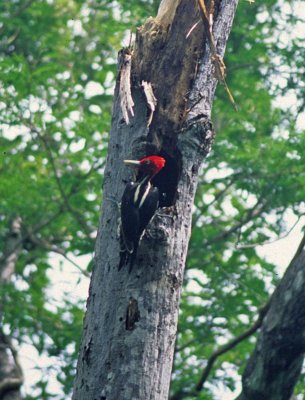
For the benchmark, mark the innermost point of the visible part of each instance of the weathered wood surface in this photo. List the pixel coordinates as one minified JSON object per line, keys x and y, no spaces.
{"x":276,"y":363}
{"x":130,"y":358}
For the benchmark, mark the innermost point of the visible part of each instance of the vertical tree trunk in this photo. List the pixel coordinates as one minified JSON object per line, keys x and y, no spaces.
{"x":276,"y":363}
{"x":130,"y":324}
{"x":11,"y":377}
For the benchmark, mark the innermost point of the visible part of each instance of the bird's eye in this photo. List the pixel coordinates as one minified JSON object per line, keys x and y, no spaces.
{"x":146,"y":162}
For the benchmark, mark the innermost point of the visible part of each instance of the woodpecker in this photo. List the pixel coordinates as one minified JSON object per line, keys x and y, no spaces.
{"x":140,"y":200}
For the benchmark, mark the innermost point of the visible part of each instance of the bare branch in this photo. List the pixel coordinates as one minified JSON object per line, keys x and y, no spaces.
{"x":230,"y":345}
{"x":51,"y":247}
{"x":239,"y":246}
{"x":62,"y":253}
{"x":181,"y":394}
{"x":255,"y":211}
{"x":65,"y":198}
{"x":24,"y":237}
{"x":38,"y":227}
{"x":218,"y":195}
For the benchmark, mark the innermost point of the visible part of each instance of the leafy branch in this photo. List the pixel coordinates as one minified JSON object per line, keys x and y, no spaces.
{"x":240,"y":246}
{"x":181,"y":394}
{"x":253,"y":212}
{"x":51,"y":247}
{"x":65,"y":198}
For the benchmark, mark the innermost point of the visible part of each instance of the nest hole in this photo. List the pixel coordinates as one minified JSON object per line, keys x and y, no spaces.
{"x":167,"y":179}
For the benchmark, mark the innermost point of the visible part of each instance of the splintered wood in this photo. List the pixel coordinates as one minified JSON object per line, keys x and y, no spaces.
{"x":125,"y":85}
{"x":126,"y":100}
{"x":151,"y":100}
{"x":219,"y":65}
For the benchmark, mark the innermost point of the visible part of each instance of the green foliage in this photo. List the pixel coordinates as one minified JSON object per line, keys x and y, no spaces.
{"x":53,"y":140}
{"x":253,"y":175}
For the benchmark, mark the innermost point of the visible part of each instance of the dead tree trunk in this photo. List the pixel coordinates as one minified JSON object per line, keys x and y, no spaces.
{"x":131,"y":320}
{"x":276,"y":363}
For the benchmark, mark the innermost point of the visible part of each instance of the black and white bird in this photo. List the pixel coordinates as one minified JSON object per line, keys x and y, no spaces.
{"x":140,"y":200}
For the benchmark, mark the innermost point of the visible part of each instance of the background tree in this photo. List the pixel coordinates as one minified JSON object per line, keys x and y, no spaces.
{"x":51,"y":54}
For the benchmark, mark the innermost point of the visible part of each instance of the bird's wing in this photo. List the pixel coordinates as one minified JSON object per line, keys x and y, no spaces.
{"x":129,"y":218}
{"x":148,"y":209}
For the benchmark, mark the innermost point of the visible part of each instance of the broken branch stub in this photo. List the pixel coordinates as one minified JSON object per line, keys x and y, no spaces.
{"x":151,"y":100}
{"x":125,"y":85}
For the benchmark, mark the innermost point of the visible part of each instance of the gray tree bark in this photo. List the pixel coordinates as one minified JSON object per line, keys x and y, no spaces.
{"x":276,"y":363}
{"x":11,"y":376}
{"x":131,"y":320}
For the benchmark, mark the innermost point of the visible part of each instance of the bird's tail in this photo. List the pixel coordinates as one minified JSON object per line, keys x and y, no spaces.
{"x":128,"y":251}
{"x":128,"y":258}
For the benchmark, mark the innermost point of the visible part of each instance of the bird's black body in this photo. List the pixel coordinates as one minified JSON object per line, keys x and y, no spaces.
{"x":140,"y":200}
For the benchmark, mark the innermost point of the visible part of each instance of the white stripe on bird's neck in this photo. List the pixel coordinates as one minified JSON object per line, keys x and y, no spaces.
{"x":145,"y":194}
{"x":137,"y":192}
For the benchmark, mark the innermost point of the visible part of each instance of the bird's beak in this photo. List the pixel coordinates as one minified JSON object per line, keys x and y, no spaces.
{"x":132,"y":162}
